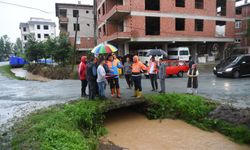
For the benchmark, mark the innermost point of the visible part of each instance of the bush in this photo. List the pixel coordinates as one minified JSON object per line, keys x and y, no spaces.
{"x":182,"y":106}
{"x":194,"y":110}
{"x":73,"y":126}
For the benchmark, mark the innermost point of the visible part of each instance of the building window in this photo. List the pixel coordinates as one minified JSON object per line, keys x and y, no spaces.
{"x":24,"y":29}
{"x":75,"y":13}
{"x":180,"y":3}
{"x":87,"y":11}
{"x":99,"y":32}
{"x":152,"y":4}
{"x":179,"y":24}
{"x":63,"y":13}
{"x":221,"y":6}
{"x":238,"y":11}
{"x":238,"y":24}
{"x":38,"y":35}
{"x":38,"y":27}
{"x":119,"y":2}
{"x":237,"y":40}
{"x":78,"y":40}
{"x":76,"y":27}
{"x":25,"y":38}
{"x":220,"y":29}
{"x":199,"y":4}
{"x":46,"y":27}
{"x":199,"y":25}
{"x":104,"y":30}
{"x":46,"y":36}
{"x":103,"y":9}
{"x":152,"y":25}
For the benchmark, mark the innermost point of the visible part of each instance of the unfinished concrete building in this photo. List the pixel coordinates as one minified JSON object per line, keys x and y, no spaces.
{"x":205,"y":26}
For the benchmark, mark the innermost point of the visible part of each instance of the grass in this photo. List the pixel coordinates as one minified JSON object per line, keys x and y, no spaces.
{"x":194,"y":110}
{"x":80,"y":124}
{"x":6,"y":71}
{"x":72,"y":126}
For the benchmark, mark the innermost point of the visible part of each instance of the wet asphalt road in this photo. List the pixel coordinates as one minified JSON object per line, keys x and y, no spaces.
{"x":20,"y":97}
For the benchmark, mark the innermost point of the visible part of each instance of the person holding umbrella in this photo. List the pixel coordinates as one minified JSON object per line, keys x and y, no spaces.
{"x":113,"y":66}
{"x":153,"y":70}
{"x":137,"y":67}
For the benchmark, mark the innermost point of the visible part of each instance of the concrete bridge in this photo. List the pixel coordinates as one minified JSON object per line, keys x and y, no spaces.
{"x":121,"y":103}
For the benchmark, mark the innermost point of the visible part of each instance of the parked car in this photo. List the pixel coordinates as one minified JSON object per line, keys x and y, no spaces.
{"x":177,"y":68}
{"x":179,"y":53}
{"x":234,"y":66}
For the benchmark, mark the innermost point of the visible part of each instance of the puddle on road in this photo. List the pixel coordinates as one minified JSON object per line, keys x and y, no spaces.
{"x":134,"y":131}
{"x":19,"y":72}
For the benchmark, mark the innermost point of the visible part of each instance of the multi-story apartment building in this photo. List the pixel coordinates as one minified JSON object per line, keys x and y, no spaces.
{"x":206,"y":26}
{"x":242,"y":27}
{"x":39,"y":28}
{"x":67,"y":14}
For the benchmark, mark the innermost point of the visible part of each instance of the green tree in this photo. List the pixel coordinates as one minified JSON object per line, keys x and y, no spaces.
{"x":34,"y":50}
{"x":59,"y":49}
{"x":6,"y":47}
{"x":63,"y":52}
{"x":18,"y":47}
{"x":1,"y":49}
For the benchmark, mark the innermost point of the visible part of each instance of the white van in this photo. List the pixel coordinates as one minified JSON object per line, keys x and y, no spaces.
{"x":179,"y":53}
{"x":142,"y":54}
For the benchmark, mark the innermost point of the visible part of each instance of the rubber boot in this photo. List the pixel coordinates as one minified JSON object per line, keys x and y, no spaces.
{"x":135,"y":95}
{"x":139,"y":94}
{"x":118,"y":92}
{"x":112,"y":92}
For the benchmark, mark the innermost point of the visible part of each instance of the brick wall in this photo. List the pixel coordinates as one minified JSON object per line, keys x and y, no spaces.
{"x":85,"y":42}
{"x":168,"y":24}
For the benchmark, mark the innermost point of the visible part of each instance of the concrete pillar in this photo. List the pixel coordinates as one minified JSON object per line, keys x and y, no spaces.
{"x":120,"y":50}
{"x":165,"y":46}
{"x":194,"y":52}
{"x":126,"y":48}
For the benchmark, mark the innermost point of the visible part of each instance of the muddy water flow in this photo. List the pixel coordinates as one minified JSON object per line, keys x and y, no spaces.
{"x":134,"y":131}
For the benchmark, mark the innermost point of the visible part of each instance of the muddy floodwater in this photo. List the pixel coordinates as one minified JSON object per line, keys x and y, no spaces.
{"x":134,"y":131}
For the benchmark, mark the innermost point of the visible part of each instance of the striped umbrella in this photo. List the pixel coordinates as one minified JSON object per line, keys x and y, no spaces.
{"x":104,"y":49}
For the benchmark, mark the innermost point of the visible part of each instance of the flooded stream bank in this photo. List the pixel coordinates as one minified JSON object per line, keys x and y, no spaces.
{"x":134,"y":131}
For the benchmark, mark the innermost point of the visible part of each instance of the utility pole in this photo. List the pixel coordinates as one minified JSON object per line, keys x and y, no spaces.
{"x":95,"y":22}
{"x":74,"y":54}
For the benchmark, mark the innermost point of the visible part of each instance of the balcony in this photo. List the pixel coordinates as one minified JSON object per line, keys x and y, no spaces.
{"x":118,"y":12}
{"x":63,"y":20}
{"x":116,"y":37}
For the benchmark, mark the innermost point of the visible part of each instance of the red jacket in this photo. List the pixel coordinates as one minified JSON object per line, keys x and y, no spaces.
{"x":82,"y":68}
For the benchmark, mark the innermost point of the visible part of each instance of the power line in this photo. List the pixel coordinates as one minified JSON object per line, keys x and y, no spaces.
{"x":88,"y":18}
{"x":23,"y":6}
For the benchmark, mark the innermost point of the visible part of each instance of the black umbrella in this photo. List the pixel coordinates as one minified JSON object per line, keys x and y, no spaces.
{"x":157,"y":52}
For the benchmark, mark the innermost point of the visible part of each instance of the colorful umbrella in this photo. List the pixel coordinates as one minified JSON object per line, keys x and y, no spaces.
{"x":104,"y":49}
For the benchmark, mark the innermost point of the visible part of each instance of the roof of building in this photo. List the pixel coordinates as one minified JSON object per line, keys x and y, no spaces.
{"x":34,"y":20}
{"x":70,"y":6}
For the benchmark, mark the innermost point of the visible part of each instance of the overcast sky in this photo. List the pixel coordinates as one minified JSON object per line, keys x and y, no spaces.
{"x":11,"y":16}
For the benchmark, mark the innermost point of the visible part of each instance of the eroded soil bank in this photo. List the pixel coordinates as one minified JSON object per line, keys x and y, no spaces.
{"x":134,"y":131}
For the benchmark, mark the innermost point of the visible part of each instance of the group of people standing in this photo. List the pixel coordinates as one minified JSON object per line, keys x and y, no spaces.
{"x":97,"y":72}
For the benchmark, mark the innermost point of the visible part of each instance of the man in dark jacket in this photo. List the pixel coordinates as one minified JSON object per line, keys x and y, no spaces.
{"x":82,"y":70}
{"x":91,"y":77}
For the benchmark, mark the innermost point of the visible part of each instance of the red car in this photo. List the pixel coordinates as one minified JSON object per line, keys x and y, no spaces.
{"x":176,"y":68}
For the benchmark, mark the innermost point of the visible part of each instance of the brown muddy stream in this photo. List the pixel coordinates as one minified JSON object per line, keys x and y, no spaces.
{"x":134,"y":131}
